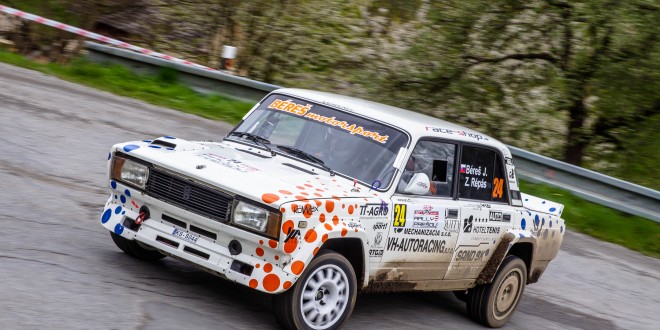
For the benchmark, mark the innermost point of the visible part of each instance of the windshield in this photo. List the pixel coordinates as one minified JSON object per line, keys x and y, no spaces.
{"x":350,"y":145}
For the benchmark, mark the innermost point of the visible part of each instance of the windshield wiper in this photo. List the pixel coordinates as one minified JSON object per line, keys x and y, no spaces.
{"x":305,"y":155}
{"x":260,"y":140}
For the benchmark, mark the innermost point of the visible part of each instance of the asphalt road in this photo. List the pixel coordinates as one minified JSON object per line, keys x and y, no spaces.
{"x":60,"y":270}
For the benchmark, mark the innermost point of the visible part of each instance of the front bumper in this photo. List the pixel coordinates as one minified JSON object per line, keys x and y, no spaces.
{"x":259,"y":265}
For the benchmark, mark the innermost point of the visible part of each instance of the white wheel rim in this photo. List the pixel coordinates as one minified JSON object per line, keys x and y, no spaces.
{"x":508,"y":293}
{"x":324,"y":297}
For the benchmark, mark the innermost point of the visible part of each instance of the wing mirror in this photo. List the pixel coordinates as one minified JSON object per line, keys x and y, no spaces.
{"x":419,"y":184}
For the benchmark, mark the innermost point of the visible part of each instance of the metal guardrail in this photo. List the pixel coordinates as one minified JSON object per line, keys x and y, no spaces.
{"x":598,"y":188}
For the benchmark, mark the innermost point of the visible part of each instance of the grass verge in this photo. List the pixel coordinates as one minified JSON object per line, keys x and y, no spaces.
{"x":604,"y":223}
{"x":161,"y":89}
{"x":633,"y":232}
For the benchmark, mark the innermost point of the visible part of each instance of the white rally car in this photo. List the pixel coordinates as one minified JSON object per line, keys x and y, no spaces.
{"x":315,"y":197}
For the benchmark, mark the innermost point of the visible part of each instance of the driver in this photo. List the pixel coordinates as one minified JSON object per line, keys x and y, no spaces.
{"x":415,"y":164}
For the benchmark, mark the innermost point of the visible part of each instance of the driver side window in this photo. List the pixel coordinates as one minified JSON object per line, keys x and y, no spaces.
{"x":436,"y":160}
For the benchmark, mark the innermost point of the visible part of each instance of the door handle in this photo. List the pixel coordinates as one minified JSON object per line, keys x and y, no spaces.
{"x":452,"y":214}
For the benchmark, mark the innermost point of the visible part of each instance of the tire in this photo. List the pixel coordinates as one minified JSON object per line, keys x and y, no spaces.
{"x":134,"y":249}
{"x":327,"y":285}
{"x":493,"y":304}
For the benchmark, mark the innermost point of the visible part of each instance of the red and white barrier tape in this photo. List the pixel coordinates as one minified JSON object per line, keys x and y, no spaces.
{"x":98,"y":37}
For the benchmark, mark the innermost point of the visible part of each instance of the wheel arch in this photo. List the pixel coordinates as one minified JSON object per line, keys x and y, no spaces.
{"x":509,"y":245}
{"x":353,"y":250}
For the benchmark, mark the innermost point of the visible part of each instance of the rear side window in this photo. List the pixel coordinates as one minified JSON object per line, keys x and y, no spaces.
{"x":482,"y":176}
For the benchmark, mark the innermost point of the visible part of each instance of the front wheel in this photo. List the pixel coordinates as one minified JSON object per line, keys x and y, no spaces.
{"x":323,"y":297}
{"x":493,"y":304}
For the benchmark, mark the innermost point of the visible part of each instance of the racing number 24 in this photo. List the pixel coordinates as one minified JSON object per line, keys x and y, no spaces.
{"x":399,"y":215}
{"x":498,"y":186}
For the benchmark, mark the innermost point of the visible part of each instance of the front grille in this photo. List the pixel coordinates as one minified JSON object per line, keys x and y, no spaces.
{"x":188,"y":195}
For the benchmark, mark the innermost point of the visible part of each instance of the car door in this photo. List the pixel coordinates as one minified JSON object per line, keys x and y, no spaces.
{"x":485,"y":211}
{"x":424,"y":227}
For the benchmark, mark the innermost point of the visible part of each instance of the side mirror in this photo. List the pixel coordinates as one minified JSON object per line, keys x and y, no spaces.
{"x":419,"y":184}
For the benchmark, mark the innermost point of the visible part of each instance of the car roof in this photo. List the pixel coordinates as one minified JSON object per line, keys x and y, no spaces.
{"x":417,"y":124}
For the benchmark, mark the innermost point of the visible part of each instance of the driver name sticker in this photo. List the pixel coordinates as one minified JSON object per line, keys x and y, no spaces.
{"x":231,"y":163}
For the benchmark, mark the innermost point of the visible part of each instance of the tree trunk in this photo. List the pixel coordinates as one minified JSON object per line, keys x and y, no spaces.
{"x":576,"y":139}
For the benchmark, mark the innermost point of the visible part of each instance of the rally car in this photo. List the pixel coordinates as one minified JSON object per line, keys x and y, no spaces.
{"x":314,"y":197}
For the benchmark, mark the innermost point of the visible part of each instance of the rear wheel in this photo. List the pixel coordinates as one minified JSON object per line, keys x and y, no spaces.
{"x":323,"y":297}
{"x":134,"y":249}
{"x":493,"y":304}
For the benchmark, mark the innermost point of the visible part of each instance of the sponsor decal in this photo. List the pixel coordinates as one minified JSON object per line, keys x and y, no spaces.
{"x":380,"y":225}
{"x":508,"y":161}
{"x":291,"y":234}
{"x":378,"y":240}
{"x":399,"y":215}
{"x":471,"y":255}
{"x":426,"y":219}
{"x":376,"y":253}
{"x":373,"y":210}
{"x":512,"y":174}
{"x":452,"y":226}
{"x":305,"y":209}
{"x":486,"y":230}
{"x":300,"y":110}
{"x":418,"y":245}
{"x":467,"y":224}
{"x":427,"y":232}
{"x":498,"y":216}
{"x":354,"y":224}
{"x":469,"y":228}
{"x":478,"y":137}
{"x":231,"y":163}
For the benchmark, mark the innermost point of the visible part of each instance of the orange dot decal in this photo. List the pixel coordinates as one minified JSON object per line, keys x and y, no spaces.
{"x":322,"y":217}
{"x":302,"y":199}
{"x":282,"y":210}
{"x":271,"y":282}
{"x":286,"y":192}
{"x":287,"y":226}
{"x":335,"y":220}
{"x":316,"y":250}
{"x":328,"y":226}
{"x":317,"y":195}
{"x":356,"y":230}
{"x":307,"y":211}
{"x":301,"y":188}
{"x":310,"y":236}
{"x":343,"y":206}
{"x":304,"y":193}
{"x":286,"y":285}
{"x":329,"y":206}
{"x":318,"y":202}
{"x":260,"y":252}
{"x":261,"y":242}
{"x":291,"y":245}
{"x":335,"y":197}
{"x":268,"y":268}
{"x":297,"y":267}
{"x":272,"y":243}
{"x":270,"y":198}
{"x":294,"y":206}
{"x":351,"y":209}
{"x":324,"y":238}
{"x":257,"y":265}
{"x":344,"y":231}
{"x":277,"y":257}
{"x":308,"y":185}
{"x":254,"y":283}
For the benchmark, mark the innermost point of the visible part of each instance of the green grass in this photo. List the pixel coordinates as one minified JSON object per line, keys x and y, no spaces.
{"x":604,"y":223}
{"x":162,"y":89}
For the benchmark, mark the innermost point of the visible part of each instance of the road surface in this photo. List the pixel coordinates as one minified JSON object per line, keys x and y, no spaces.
{"x":60,"y":270}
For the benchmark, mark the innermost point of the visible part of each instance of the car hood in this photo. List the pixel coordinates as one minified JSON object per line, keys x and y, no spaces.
{"x":538,"y":204}
{"x":244,"y":170}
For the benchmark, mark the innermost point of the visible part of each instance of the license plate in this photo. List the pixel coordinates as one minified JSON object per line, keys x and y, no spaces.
{"x":184,"y":235}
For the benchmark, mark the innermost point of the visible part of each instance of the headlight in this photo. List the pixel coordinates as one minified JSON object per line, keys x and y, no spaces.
{"x":257,"y":219}
{"x":130,"y":172}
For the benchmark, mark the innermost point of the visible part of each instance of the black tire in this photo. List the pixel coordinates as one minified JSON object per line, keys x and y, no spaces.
{"x":493,"y":304}
{"x":134,"y":249}
{"x":335,"y":293}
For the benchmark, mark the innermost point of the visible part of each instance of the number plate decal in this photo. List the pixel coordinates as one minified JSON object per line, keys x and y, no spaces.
{"x":184,"y":235}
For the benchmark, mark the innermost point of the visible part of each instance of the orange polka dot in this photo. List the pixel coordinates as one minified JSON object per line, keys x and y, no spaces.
{"x":268,"y":268}
{"x":335,"y":220}
{"x":317,"y":195}
{"x":260,"y":252}
{"x":310,"y":236}
{"x":294,"y":206}
{"x":297,"y":267}
{"x":344,"y":231}
{"x":282,"y":210}
{"x":307,"y":211}
{"x":350,"y":209}
{"x":356,"y":230}
{"x":316,"y":250}
{"x":254,"y":283}
{"x":322,"y":217}
{"x":287,"y":226}
{"x":286,"y":285}
{"x":335,"y":197}
{"x":272,"y":243}
{"x":329,"y":206}
{"x":318,"y":202}
{"x":257,"y":265}
{"x":343,"y":206}
{"x":308,"y":185}
{"x":261,"y":242}
{"x":319,"y":189}
{"x":271,"y":282}
{"x":291,"y":245}
{"x":328,"y":226}
{"x":270,"y":198}
{"x":277,"y":257}
{"x":324,"y":238}
{"x":286,"y":192}
{"x":304,"y":193}
{"x":302,"y":199}
{"x":300,"y":187}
